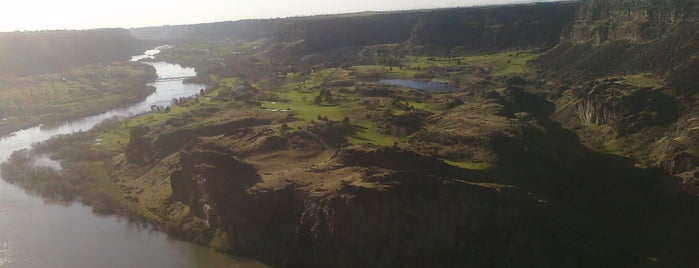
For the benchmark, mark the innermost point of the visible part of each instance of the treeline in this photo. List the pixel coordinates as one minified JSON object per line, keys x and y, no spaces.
{"x":29,"y":53}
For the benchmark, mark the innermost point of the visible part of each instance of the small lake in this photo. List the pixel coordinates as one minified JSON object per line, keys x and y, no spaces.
{"x":36,"y":234}
{"x":426,"y":86}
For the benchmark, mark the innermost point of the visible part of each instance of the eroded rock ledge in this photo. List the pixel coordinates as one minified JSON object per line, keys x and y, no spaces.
{"x":391,"y":215}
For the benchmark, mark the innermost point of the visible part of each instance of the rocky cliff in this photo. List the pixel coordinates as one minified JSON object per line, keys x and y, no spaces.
{"x":626,"y":80}
{"x":614,"y":37}
{"x":634,"y":21}
{"x":492,"y":28}
{"x":375,"y":217}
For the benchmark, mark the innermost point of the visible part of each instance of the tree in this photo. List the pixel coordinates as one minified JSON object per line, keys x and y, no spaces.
{"x":284,"y":128}
{"x":388,"y":113}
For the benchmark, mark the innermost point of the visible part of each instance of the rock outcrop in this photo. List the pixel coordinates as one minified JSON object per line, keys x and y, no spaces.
{"x":493,"y":28}
{"x":627,"y":80}
{"x":394,"y":215}
{"x":615,"y":37}
{"x":145,"y":147}
{"x":634,"y":21}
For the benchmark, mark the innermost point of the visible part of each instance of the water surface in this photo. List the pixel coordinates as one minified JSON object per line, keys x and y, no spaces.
{"x":427,"y":86}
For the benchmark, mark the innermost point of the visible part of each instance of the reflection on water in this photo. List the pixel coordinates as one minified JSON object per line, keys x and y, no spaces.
{"x":45,"y":161}
{"x":5,"y":254}
{"x":36,"y":234}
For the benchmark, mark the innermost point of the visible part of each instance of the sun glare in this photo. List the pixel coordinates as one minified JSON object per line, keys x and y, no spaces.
{"x":86,"y":14}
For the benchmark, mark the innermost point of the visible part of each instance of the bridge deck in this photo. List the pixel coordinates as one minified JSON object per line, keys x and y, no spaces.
{"x":174,"y":78}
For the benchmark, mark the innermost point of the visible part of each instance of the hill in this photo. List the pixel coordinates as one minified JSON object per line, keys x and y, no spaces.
{"x":567,"y":138}
{"x":627,"y":82}
{"x":475,"y":29}
{"x":29,"y":53}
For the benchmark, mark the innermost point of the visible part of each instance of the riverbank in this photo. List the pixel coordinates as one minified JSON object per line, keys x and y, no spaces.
{"x":52,"y":99}
{"x":131,"y":243}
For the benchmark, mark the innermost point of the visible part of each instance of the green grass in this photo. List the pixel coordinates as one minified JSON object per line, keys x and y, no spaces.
{"x":500,"y":63}
{"x":103,"y":180}
{"x":368,"y":133}
{"x":505,"y":63}
{"x":643,"y":81}
{"x":366,"y":130}
{"x":475,"y":165}
{"x":202,"y":53}
{"x":117,"y":138}
{"x":422,"y":106}
{"x":300,"y":92}
{"x":229,"y":82}
{"x":394,"y":72}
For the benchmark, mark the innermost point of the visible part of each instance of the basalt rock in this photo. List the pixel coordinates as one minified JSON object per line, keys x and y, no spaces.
{"x":634,"y":21}
{"x":424,"y":222}
{"x":681,"y":162}
{"x":406,"y":218}
{"x":145,"y":147}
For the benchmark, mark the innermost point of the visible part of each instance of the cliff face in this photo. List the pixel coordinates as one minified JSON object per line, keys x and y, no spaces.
{"x":493,"y":28}
{"x":376,"y":206}
{"x":412,"y":223}
{"x":635,"y":21}
{"x":626,"y":80}
{"x":614,"y":37}
{"x":626,"y":109}
{"x":385,"y":217}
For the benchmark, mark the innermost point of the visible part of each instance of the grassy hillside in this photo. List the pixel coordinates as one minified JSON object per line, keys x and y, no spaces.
{"x":75,"y":92}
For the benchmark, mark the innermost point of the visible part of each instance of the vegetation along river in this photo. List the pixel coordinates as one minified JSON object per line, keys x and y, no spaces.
{"x":36,"y":234}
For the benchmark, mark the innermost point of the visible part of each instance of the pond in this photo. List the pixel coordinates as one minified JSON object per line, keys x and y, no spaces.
{"x":426,"y":86}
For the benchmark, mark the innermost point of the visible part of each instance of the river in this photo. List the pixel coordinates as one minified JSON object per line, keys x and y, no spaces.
{"x":37,"y":234}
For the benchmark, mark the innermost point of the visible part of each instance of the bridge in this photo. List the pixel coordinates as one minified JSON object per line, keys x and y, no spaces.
{"x":173,"y":78}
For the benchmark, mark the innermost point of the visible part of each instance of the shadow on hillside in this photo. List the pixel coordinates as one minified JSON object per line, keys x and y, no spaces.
{"x":604,"y":207}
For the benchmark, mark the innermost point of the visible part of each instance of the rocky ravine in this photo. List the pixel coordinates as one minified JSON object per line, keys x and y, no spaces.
{"x":625,"y":81}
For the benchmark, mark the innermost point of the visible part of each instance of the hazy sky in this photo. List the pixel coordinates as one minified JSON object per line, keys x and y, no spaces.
{"x":85,"y":14}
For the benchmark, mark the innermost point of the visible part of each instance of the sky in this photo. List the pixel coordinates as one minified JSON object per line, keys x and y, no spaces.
{"x":22,"y":15}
